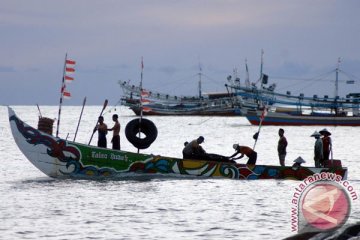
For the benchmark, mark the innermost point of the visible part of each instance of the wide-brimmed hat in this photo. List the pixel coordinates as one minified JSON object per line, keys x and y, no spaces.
{"x":299,"y":160}
{"x":315,"y":134}
{"x":325,"y":132}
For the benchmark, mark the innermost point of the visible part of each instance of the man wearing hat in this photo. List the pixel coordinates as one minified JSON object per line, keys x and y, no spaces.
{"x":193,"y":150}
{"x":318,"y":149}
{"x":327,"y":144}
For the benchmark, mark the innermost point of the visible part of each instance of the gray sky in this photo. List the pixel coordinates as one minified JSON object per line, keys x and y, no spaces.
{"x":107,"y":38}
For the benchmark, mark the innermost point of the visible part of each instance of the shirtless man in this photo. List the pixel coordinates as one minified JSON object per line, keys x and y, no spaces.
{"x":116,"y":130}
{"x":244,"y":150}
{"x":282,"y":144}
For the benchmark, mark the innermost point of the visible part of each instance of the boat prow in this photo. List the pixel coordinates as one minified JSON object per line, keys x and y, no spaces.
{"x":59,"y":158}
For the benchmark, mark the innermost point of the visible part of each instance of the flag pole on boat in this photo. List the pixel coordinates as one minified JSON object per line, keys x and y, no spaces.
{"x":82,"y":109}
{"x":61,"y":97}
{"x":141,"y":93}
{"x":256,"y":135}
{"x":69,"y":68}
{"x":104,"y":106}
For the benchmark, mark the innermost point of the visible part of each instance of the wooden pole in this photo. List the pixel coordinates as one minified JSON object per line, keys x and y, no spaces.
{"x":141,"y":105}
{"x":82,"y":109}
{"x":260,"y":124}
{"x":105,"y":104}
{"x":61,"y":97}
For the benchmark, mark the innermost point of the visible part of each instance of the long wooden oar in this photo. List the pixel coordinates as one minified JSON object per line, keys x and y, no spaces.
{"x":256,"y":135}
{"x":39,"y":110}
{"x":77,"y":128}
{"x":105,"y":104}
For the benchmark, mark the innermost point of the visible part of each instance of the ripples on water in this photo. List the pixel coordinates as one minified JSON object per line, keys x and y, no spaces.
{"x":34,"y":206}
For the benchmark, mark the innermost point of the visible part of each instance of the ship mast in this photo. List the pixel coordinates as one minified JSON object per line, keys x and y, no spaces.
{"x":200,"y":70}
{"x":261,"y":67}
{"x":337,"y":86}
{"x":337,"y":78}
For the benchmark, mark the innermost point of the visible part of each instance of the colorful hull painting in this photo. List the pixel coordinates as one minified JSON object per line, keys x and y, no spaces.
{"x":59,"y":158}
{"x":284,"y":119}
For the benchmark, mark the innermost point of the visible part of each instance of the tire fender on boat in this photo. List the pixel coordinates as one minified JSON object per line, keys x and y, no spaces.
{"x":146,"y":127}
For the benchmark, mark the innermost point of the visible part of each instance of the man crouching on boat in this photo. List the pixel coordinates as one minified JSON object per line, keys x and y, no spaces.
{"x":244,"y":150}
{"x":193,"y":150}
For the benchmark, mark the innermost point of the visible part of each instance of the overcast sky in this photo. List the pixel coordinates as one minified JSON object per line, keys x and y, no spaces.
{"x":301,"y":39}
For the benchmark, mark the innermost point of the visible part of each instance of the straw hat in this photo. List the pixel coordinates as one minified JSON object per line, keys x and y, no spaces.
{"x":325,"y":132}
{"x":299,"y":160}
{"x":315,"y":134}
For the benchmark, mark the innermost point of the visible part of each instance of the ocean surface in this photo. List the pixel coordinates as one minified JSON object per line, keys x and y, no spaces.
{"x":34,"y":206}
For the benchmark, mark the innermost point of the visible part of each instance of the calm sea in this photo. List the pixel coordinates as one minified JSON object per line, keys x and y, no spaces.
{"x":34,"y":206}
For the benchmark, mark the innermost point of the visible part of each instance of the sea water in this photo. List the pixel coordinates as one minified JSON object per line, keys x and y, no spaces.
{"x":34,"y":206}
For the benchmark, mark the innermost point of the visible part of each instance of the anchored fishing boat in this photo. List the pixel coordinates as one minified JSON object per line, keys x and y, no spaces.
{"x":155,"y":103}
{"x":60,"y":158}
{"x":278,"y":118}
{"x":291,"y":110}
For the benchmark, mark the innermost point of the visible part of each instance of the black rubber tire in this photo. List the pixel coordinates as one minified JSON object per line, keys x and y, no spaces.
{"x":146,"y":127}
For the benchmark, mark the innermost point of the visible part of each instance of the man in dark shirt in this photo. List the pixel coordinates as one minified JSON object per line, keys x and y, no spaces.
{"x":102,"y":132}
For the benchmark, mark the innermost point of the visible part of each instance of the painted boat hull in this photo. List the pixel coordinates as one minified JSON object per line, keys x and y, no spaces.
{"x":212,"y":111}
{"x":59,"y":158}
{"x":283,"y":119}
{"x":158,"y":104}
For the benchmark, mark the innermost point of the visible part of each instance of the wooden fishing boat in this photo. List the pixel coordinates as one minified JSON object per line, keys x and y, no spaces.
{"x":298,"y":110}
{"x":180,"y":110}
{"x":59,"y":158}
{"x":146,"y":102}
{"x":275,"y":118}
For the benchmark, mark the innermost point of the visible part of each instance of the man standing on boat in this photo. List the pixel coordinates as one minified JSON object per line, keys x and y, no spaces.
{"x":282,"y":144}
{"x":318,"y":149}
{"x":244,"y":150}
{"x":327,"y":144}
{"x":116,"y":133}
{"x":193,"y":150}
{"x":102,"y":132}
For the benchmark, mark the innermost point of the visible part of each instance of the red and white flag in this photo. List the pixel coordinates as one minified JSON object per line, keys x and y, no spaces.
{"x":69,"y":66}
{"x":70,"y":62}
{"x":144,"y":93}
{"x":69,"y":79}
{"x":145,"y":101}
{"x":66,"y":94}
{"x":146,"y":109}
{"x":69,"y":69}
{"x":264,"y":113}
